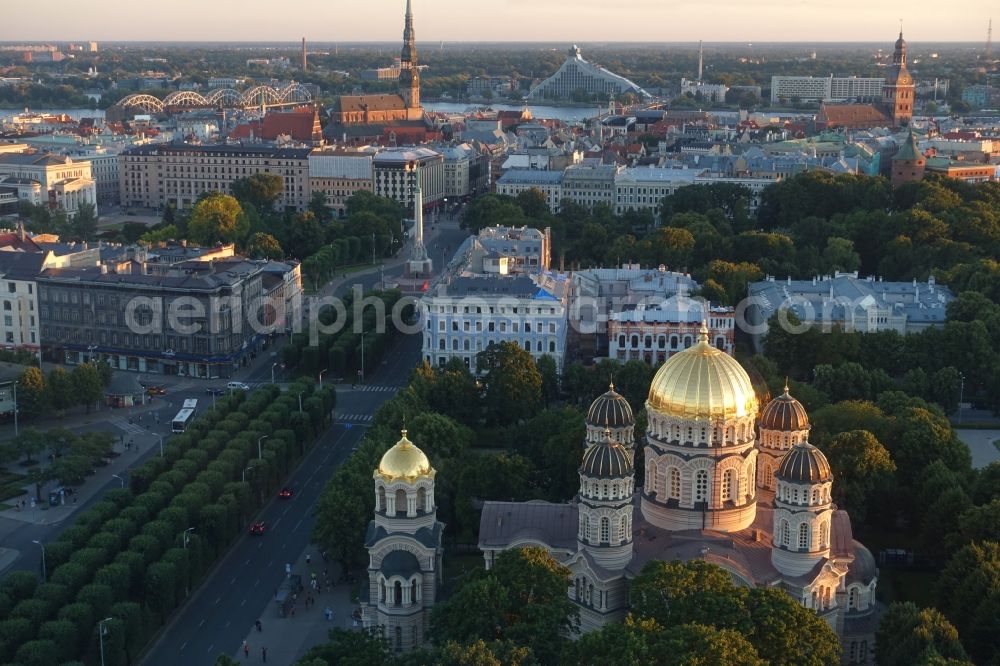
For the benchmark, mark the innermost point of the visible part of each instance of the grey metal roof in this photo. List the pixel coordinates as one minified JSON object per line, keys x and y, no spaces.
{"x":503,"y":523}
{"x":253,"y":150}
{"x":400,"y":563}
{"x":530,"y":177}
{"x":804,"y":464}
{"x":513,"y":285}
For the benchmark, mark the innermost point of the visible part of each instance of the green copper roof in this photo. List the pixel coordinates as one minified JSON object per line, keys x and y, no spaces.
{"x":909,"y":150}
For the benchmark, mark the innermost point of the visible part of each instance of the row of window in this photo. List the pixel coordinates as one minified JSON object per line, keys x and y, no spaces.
{"x":661,"y":342}
{"x":728,"y":491}
{"x":478,"y":309}
{"x":591,"y":527}
{"x":492,"y":327}
{"x":466,"y":345}
{"x":804,"y":542}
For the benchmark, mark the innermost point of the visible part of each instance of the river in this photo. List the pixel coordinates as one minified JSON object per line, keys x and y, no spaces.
{"x":565,"y":113}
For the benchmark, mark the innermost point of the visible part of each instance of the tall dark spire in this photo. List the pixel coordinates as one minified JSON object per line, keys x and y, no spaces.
{"x":409,"y":75}
{"x":409,"y":53}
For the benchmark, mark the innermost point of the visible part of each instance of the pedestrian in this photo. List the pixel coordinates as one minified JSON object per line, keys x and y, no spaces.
{"x":246,"y":650}
{"x":319,"y":588}
{"x":263,"y":654}
{"x":308,"y":559}
{"x":259,"y":628}
{"x":293,"y":610}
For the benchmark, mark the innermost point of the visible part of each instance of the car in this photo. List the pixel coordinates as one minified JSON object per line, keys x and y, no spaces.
{"x":257,"y":528}
{"x":286,"y":493}
{"x":238,"y":386}
{"x":215,"y":390}
{"x":155,"y":390}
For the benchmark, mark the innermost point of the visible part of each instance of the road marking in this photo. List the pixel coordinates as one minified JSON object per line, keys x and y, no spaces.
{"x":183,"y":645}
{"x":242,"y":603}
{"x":210,"y":647}
{"x":297,"y":525}
{"x":218,"y":599}
{"x":226,"y":625}
{"x":271,"y":563}
{"x":231,"y":582}
{"x":201,"y":624}
{"x":257,"y":583}
{"x":259,"y":544}
{"x":275,"y":523}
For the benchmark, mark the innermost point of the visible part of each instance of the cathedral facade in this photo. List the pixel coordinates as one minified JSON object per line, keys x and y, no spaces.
{"x":723,"y":481}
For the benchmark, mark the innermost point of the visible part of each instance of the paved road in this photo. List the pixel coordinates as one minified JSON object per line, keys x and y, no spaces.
{"x":240,"y":590}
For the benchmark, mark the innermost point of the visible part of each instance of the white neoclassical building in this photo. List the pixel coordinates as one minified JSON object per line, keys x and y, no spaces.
{"x":721,"y":483}
{"x":404,"y":548}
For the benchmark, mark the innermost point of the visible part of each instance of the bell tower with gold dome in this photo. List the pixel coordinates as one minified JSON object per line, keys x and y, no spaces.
{"x":783,"y":424}
{"x":404,"y":547}
{"x":700,"y":458}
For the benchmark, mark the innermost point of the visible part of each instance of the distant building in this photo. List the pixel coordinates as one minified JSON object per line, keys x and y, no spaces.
{"x":46,"y":178}
{"x":494,"y":85}
{"x":153,"y":176}
{"x":301,"y":125}
{"x":339,"y":173}
{"x":506,"y":251}
{"x":653,"y":332}
{"x":395,"y":173}
{"x":831,"y":88}
{"x":104,"y":170}
{"x":866,"y":305}
{"x":908,"y":164}
{"x":225,"y":82}
{"x":467,"y":314}
{"x":549,"y":183}
{"x":466,"y":172}
{"x":588,"y":185}
{"x":578,"y":77}
{"x":980,"y":96}
{"x":711,"y":92}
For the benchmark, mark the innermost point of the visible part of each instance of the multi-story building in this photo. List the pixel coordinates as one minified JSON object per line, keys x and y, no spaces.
{"x":466,"y":314}
{"x":104,"y":170}
{"x":639,"y":188}
{"x":712,"y":92}
{"x":339,"y":173}
{"x":588,"y":185}
{"x":395,"y":175}
{"x":154,"y":176}
{"x":653,"y":332}
{"x":506,"y":251}
{"x":549,"y":183}
{"x":496,"y":85}
{"x":225,"y":82}
{"x":980,"y":96}
{"x":825,"y":88}
{"x":196,"y":319}
{"x":19,"y":299}
{"x":576,"y":76}
{"x":866,"y":305}
{"x":466,"y":172}
{"x":46,"y":178}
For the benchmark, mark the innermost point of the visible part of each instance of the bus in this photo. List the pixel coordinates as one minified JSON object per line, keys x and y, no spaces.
{"x":190,"y":403}
{"x":181,"y":421}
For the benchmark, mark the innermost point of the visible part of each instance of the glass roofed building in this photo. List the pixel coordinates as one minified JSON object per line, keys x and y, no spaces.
{"x":581,"y":80}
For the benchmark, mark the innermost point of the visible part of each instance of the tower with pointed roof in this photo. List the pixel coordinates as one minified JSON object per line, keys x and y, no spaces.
{"x":908,"y":163}
{"x":898,"y":91}
{"x":404,"y":547}
{"x":409,"y":75}
{"x":783,"y":423}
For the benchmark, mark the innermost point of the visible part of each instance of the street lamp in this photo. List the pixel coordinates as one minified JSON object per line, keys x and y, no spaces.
{"x":245,"y":470}
{"x":120,"y":478}
{"x":300,"y":401}
{"x":259,"y":440}
{"x":90,"y":353}
{"x":15,"y":409}
{"x":100,"y":634}
{"x":961,"y":397}
{"x":42,"y":546}
{"x":373,"y":248}
{"x":272,"y":372}
{"x":363,"y":333}
{"x":321,"y":372}
{"x":161,"y":445}
{"x":185,"y":538}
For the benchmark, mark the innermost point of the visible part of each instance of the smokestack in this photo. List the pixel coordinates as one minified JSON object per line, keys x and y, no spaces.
{"x":305,"y":65}
{"x":701,"y":60}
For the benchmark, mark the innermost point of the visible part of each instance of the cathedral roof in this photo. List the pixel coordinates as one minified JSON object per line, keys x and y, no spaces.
{"x":804,"y":463}
{"x":404,"y":461}
{"x":375,"y":102}
{"x":607,"y":459}
{"x":610,"y":410}
{"x":784,"y":414}
{"x":702,"y":382}
{"x":505,"y":523}
{"x":400,"y":563}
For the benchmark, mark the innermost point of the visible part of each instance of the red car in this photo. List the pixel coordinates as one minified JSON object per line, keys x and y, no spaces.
{"x":257,"y":528}
{"x":285,"y":493}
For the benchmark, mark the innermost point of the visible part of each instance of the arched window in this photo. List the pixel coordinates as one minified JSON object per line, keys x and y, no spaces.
{"x":824,"y":535}
{"x":399,"y":636}
{"x":623,"y":529}
{"x":413,"y":591}
{"x":604,"y":490}
{"x":381,"y":591}
{"x":804,"y":536}
{"x":400,"y":502}
{"x":621,"y":341}
{"x":381,"y":499}
{"x":635,"y":342}
{"x":815,"y":499}
{"x":769,"y":476}
{"x":397,"y":593}
{"x":701,"y":486}
{"x":552,"y":346}
{"x":785,"y":536}
{"x":728,"y":484}
{"x":675,"y":483}
{"x":652,"y":479}
{"x":853,"y":599}
{"x":587,"y":530}
{"x":421,"y":499}
{"x":605,"y":530}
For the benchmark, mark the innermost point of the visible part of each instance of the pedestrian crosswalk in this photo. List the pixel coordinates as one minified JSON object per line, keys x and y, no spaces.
{"x":130,"y":428}
{"x":375,"y":387}
{"x":355,"y":418}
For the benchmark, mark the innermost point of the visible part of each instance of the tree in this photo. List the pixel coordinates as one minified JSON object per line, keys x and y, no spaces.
{"x":350,"y":648}
{"x":302,"y":235}
{"x":521,"y":599}
{"x":550,"y":378}
{"x":787,"y":633}
{"x":29,"y":443}
{"x":160,"y":234}
{"x":31,"y":394}
{"x":319,"y":206}
{"x":261,"y":190}
{"x":217,"y":218}
{"x":492,"y":210}
{"x":861,"y":465}
{"x":87,"y":387}
{"x":513,"y":384}
{"x":264,"y":246}
{"x":910,"y":635}
{"x":59,"y":389}
{"x":968,"y":593}
{"x":83,"y":225}
{"x":674,"y":593}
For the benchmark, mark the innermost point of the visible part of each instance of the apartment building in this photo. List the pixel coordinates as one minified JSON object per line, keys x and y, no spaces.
{"x":154,"y":176}
{"x":339,"y":173}
{"x":395,"y":175}
{"x":825,"y":88}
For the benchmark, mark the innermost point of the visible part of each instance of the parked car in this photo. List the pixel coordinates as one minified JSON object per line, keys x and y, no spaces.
{"x":286,"y":493}
{"x":156,"y":390}
{"x":237,"y":386}
{"x":257,"y":528}
{"x":215,"y":390}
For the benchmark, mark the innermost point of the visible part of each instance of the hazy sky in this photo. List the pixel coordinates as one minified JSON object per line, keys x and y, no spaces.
{"x":500,"y":20}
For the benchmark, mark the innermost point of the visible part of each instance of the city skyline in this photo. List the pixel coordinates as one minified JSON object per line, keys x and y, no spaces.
{"x":554,"y":20}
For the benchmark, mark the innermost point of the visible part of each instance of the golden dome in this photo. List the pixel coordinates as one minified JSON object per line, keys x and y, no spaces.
{"x":404,"y":461}
{"x":784,"y":413}
{"x":702,"y":382}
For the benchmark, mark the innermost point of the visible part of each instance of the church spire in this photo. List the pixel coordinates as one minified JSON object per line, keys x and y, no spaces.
{"x":409,"y":75}
{"x":409,"y":52}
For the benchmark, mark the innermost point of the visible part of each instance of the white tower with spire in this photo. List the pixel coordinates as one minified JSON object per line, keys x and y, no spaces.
{"x":419,"y":265}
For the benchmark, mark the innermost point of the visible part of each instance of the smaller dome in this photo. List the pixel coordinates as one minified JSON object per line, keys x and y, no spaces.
{"x":404,"y":461}
{"x":607,"y":459}
{"x":785,"y":414}
{"x":900,"y":43}
{"x":804,"y":464}
{"x":610,"y":410}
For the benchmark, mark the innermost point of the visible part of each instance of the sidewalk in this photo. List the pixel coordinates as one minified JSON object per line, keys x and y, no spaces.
{"x":288,"y":638}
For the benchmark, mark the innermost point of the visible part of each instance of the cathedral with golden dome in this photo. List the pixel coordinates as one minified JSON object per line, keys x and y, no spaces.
{"x":723,"y":481}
